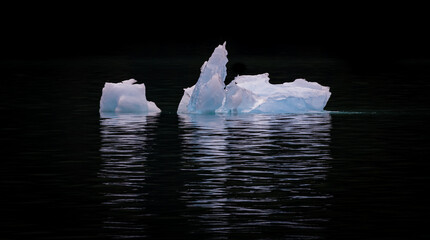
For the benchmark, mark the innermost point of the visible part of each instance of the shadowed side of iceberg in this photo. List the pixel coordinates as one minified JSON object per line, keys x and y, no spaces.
{"x":126,"y":97}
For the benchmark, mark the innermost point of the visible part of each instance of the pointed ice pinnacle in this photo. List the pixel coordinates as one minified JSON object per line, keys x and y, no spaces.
{"x":208,"y":93}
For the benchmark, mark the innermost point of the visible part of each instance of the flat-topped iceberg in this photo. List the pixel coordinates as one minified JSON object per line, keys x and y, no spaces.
{"x":126,"y":97}
{"x":254,"y":94}
{"x":249,"y":93}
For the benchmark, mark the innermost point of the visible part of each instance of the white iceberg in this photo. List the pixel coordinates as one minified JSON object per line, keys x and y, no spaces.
{"x":126,"y":97}
{"x":254,"y":94}
{"x":249,"y":93}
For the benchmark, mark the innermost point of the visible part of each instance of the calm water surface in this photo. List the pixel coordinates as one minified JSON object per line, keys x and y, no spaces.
{"x":358,"y":171}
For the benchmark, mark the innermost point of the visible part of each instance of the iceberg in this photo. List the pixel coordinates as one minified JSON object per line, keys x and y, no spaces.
{"x":255,"y":94}
{"x":249,"y":93}
{"x":126,"y":97}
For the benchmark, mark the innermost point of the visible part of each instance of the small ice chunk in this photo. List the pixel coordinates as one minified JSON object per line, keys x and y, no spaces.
{"x":182,"y":108}
{"x":126,"y":97}
{"x":208,"y":93}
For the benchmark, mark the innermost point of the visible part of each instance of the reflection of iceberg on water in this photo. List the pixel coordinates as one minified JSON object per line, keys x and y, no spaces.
{"x":123,"y":173}
{"x":254,"y":168}
{"x":126,"y":97}
{"x":249,"y":93}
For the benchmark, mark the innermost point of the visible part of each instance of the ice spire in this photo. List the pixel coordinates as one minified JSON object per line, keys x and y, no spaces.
{"x":208,"y":93}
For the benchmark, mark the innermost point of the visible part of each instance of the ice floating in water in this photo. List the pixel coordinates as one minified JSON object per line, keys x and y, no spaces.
{"x":126,"y":97}
{"x":245,"y":94}
{"x":208,"y":93}
{"x":249,"y":93}
{"x":254,"y":94}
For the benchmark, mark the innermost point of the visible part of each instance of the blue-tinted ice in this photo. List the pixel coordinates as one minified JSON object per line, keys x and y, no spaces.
{"x":249,"y":93}
{"x":245,"y":94}
{"x":126,"y":97}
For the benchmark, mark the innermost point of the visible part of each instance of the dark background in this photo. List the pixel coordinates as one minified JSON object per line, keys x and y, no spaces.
{"x":355,"y":31}
{"x":55,"y":60}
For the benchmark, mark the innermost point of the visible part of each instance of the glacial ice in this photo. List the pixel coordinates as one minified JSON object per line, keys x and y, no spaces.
{"x":249,"y":93}
{"x":208,"y":93}
{"x":254,"y":94}
{"x":126,"y":97}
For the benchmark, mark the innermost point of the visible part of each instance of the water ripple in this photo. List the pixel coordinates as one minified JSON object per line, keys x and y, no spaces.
{"x":256,"y":171}
{"x":221,"y":176}
{"x":124,"y":173}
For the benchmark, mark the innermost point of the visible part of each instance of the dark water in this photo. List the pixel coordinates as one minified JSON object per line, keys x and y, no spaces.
{"x":359,"y":171}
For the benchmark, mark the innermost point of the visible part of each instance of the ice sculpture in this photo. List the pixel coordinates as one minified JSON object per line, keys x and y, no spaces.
{"x":126,"y":97}
{"x":249,"y":93}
